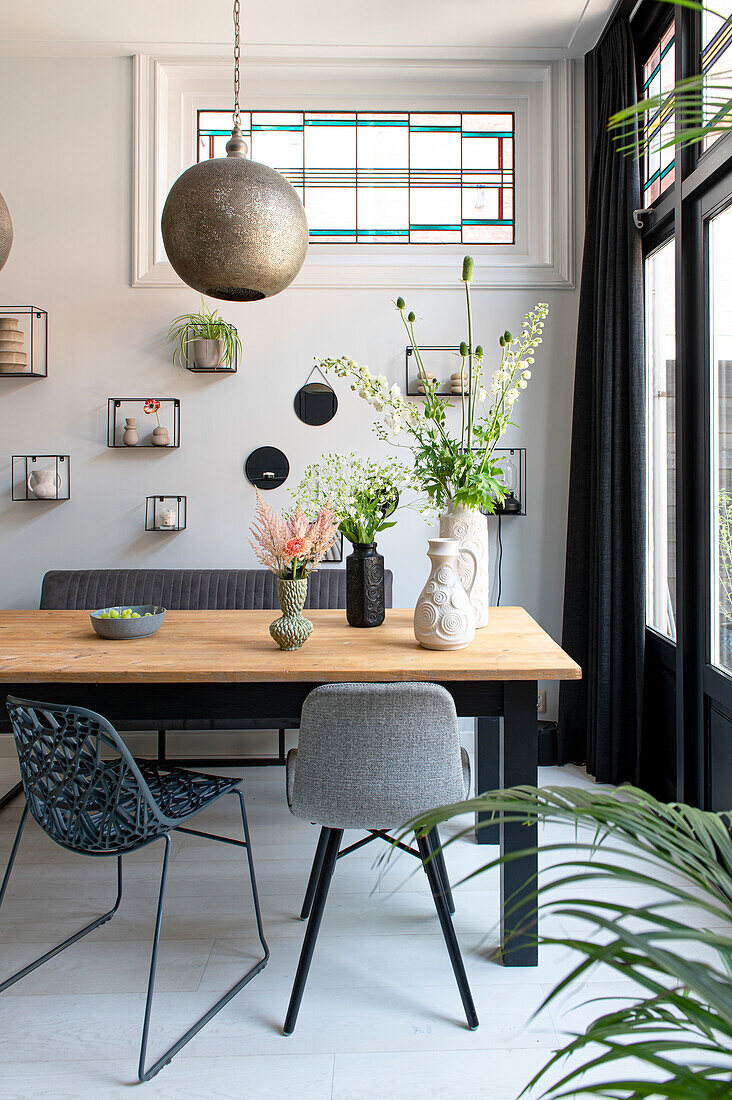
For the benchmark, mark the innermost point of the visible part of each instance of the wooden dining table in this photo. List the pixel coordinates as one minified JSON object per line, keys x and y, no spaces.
{"x":224,"y":664}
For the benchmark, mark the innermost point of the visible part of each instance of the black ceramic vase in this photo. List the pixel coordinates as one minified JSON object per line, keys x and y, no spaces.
{"x":364,"y":585}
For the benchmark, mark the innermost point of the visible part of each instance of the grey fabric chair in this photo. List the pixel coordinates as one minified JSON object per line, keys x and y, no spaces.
{"x":191,"y":590}
{"x":90,"y":796}
{"x":372,"y":757}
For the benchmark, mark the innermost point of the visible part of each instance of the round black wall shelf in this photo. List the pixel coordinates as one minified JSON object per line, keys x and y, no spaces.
{"x":267,"y":467}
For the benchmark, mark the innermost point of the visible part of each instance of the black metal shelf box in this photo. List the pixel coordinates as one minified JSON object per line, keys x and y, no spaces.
{"x":33,"y":325}
{"x":115,"y":430}
{"x":155,"y":507}
{"x":22,"y":468}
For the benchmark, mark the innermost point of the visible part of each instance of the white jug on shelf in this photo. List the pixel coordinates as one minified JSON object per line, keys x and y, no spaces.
{"x":45,"y":484}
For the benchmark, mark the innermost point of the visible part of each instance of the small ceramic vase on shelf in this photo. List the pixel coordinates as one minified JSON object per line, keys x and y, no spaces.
{"x":292,"y":629}
{"x":45,"y":484}
{"x":444,"y":617}
{"x":365,"y":600}
{"x":160,"y":437}
{"x":13,"y":357}
{"x":130,"y":437}
{"x":470,"y":527}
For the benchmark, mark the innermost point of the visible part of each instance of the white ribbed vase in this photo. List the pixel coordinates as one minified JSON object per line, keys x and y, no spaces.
{"x":470,"y":527}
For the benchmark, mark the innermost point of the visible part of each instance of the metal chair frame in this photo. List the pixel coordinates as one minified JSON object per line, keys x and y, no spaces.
{"x":79,"y":765}
{"x":327,"y":853}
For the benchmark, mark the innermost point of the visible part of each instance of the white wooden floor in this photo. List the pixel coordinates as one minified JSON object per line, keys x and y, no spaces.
{"x":381,"y":1017}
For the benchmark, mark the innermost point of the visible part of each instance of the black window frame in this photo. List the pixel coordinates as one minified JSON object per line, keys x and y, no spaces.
{"x":702,"y":186}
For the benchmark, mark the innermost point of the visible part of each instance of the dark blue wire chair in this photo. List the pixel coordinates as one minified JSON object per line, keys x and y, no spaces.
{"x":90,"y":795}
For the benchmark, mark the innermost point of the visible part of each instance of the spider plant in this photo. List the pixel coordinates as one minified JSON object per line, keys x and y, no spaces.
{"x":677,"y":1024}
{"x":702,"y":105}
{"x":206,"y":325}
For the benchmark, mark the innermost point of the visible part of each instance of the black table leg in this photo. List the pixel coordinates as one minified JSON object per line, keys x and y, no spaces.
{"x":487,"y":771}
{"x":519,"y":761}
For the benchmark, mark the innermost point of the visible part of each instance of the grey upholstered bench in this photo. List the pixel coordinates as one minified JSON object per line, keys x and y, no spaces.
{"x":191,"y":590}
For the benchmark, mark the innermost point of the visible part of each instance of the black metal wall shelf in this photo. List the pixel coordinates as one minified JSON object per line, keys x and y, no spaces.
{"x":166,"y":513}
{"x":116,"y":426}
{"x":54,"y":482}
{"x":23,"y":344}
{"x":411,"y":377}
{"x":514,"y":468}
{"x":267,"y":467}
{"x":190,"y":363}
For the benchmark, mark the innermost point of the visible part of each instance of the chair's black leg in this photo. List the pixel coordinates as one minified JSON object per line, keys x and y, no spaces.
{"x":438,"y":857}
{"x":314,"y":875}
{"x":143,"y":1074}
{"x":13,"y":852}
{"x":255,"y":893}
{"x":281,"y":758}
{"x":162,"y":747}
{"x":453,"y":948}
{"x":71,"y":939}
{"x":333,"y":843}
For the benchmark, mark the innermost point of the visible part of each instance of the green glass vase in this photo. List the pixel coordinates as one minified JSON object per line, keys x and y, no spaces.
{"x":292,"y":629}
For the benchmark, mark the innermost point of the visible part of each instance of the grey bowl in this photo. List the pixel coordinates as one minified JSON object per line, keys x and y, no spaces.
{"x":128,"y":628}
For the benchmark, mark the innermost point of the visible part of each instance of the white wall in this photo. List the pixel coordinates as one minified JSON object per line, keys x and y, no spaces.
{"x":66,"y":174}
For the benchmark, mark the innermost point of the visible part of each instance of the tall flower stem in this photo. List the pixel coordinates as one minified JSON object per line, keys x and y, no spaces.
{"x":471,"y":404}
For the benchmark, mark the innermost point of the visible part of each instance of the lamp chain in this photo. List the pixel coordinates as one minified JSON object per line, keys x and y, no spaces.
{"x":237,"y":51}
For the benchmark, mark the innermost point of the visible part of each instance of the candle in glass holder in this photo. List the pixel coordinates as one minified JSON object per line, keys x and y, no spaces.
{"x":167,"y":517}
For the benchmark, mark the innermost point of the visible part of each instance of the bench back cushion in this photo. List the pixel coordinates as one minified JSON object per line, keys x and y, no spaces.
{"x":186,"y":589}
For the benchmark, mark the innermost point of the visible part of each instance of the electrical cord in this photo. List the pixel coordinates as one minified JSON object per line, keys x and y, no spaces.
{"x":500,"y":559}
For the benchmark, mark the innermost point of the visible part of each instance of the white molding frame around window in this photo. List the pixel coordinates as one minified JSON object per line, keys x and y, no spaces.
{"x":169,"y":91}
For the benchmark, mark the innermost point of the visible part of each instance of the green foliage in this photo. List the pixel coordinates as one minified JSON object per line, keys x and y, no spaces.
{"x":453,"y":469}
{"x":206,"y":325}
{"x":679,"y":1023}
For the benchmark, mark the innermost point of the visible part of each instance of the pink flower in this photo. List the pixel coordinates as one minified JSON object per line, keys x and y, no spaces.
{"x":151,"y":405}
{"x":294,"y":547}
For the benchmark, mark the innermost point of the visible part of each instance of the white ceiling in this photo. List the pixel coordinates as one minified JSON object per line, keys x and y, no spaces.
{"x":508,"y":30}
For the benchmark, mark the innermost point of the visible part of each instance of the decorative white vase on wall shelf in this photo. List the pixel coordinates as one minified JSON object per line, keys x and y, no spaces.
{"x":470,"y":527}
{"x":160,"y":437}
{"x":13,"y":356}
{"x":444,"y":617}
{"x":45,"y":484}
{"x":130,"y":437}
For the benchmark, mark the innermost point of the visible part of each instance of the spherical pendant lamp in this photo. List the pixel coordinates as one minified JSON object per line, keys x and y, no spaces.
{"x":6,"y":232}
{"x":232,"y":228}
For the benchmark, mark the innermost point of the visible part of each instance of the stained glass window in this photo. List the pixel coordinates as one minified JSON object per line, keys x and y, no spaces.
{"x":378,"y":177}
{"x":716,"y":65}
{"x":659,"y":74}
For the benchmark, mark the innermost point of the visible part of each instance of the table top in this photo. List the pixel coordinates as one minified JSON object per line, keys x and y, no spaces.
{"x":235,"y":646}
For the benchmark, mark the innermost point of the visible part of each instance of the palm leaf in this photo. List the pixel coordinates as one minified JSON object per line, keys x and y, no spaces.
{"x":677,"y":1023}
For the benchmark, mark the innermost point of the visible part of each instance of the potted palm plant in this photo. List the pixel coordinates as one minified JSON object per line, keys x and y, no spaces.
{"x":205,"y":338}
{"x":672,"y":1035}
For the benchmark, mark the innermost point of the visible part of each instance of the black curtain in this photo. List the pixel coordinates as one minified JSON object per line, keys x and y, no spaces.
{"x":604,"y":594}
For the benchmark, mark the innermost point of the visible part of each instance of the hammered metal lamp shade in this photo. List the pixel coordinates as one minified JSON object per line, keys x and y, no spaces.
{"x":235,"y":229}
{"x":6,"y":232}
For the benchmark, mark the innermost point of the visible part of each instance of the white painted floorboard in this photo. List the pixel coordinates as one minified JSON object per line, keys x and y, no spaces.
{"x":381,"y":1017}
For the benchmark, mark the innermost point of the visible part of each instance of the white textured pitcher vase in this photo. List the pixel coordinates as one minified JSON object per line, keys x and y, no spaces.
{"x":444,"y":617}
{"x":470,"y":527}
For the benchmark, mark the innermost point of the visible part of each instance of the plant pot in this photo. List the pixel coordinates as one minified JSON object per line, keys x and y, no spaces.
{"x":292,"y":629}
{"x":470,"y":527}
{"x":365,"y":601}
{"x":207,"y":354}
